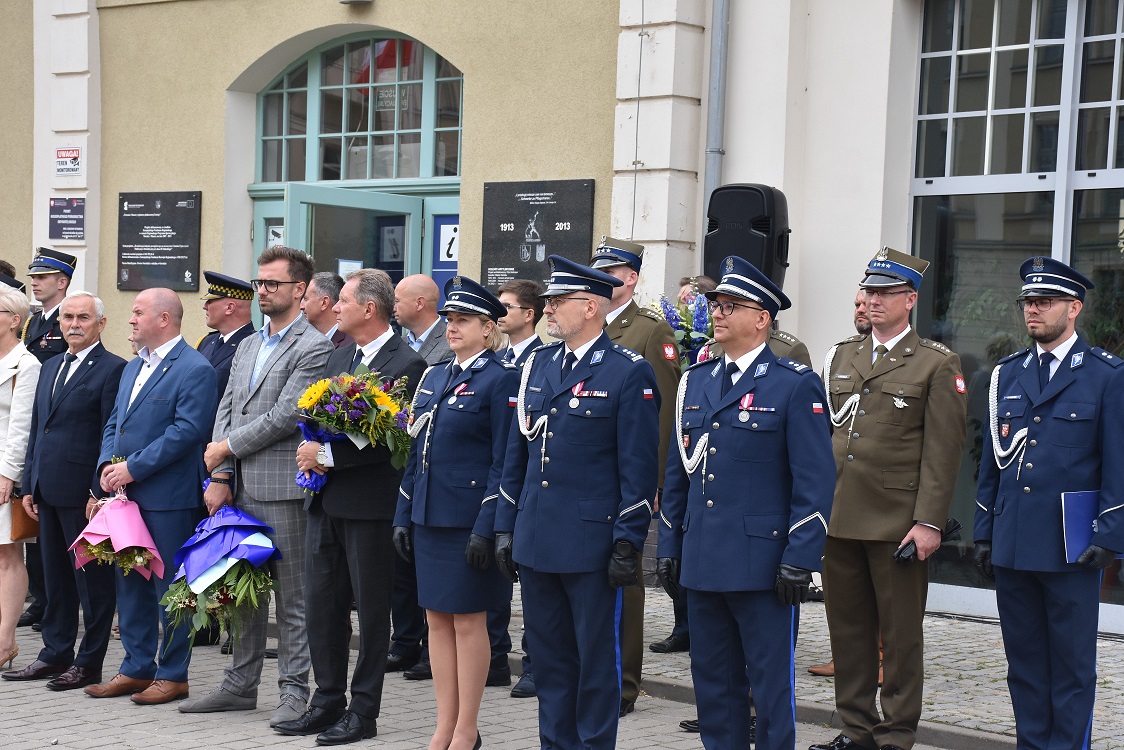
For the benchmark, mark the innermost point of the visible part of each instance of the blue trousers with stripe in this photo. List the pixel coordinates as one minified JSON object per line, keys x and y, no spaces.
{"x":1049,"y":623}
{"x":572,"y":622}
{"x":742,"y":640}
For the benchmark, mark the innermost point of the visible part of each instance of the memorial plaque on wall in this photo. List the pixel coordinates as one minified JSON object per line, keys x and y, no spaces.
{"x":158,"y":240}
{"x":524,"y":222}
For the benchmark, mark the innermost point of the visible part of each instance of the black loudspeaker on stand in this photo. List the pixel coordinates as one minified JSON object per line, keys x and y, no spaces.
{"x":750,"y":221}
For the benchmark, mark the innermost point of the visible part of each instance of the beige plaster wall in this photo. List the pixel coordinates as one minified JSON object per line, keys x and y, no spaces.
{"x":16,"y":123}
{"x":538,"y":98}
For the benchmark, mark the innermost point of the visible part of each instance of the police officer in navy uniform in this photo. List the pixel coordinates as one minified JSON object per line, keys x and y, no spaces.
{"x":227,"y":308}
{"x":1056,"y":425}
{"x":746,"y":560}
{"x":577,"y":490}
{"x":444,"y":524}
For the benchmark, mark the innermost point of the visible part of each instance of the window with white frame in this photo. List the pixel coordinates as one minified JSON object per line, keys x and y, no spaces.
{"x":367,"y":108}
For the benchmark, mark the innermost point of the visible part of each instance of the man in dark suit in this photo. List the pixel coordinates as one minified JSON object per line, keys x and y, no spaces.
{"x":72,"y":403}
{"x":318,"y":306}
{"x":226,"y":307}
{"x":1056,"y":424}
{"x":161,"y":420}
{"x":350,"y":556}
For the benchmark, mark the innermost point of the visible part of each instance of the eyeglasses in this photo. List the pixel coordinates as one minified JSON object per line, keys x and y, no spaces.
{"x":727,"y":308}
{"x":1042,"y":304}
{"x":870,"y":293}
{"x":269,"y":284}
{"x":516,"y":307}
{"x":553,"y":302}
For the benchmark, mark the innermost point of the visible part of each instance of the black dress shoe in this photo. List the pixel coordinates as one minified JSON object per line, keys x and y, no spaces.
{"x":420,"y":671}
{"x":37,"y":626}
{"x":525,"y":688}
{"x":312,"y":721}
{"x":74,"y":678}
{"x":689,"y":725}
{"x":627,"y":707}
{"x":672,"y":644}
{"x":209,"y":637}
{"x":36,"y":670}
{"x":842,"y":742}
{"x":398,"y":662}
{"x":270,"y":653}
{"x":351,"y":728}
{"x":30,"y":617}
{"x":498,"y":677}
{"x":227,"y":647}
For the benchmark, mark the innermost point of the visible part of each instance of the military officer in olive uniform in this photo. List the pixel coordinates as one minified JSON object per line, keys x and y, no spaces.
{"x":227,"y":309}
{"x":1056,"y":425}
{"x":644,"y":331}
{"x":578,"y":487}
{"x":781,"y":343}
{"x":50,"y":273}
{"x":898,"y":408}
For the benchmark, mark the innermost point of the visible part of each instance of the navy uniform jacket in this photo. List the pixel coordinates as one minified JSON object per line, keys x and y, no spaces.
{"x":453,"y":476}
{"x":587,"y":477}
{"x":1072,"y":428}
{"x":43,"y":338}
{"x":762,"y":491}
{"x":220,"y":355}
{"x":522,"y":358}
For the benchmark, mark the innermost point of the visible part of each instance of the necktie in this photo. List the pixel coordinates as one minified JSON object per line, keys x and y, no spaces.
{"x":509,"y":355}
{"x":881,"y":351}
{"x":1044,"y":361}
{"x":568,"y":363}
{"x":67,"y":359}
{"x":358,"y":358}
{"x":728,"y":378}
{"x":455,"y":372}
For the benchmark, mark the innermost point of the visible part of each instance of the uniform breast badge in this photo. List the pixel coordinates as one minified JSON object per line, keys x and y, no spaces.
{"x":899,"y":402}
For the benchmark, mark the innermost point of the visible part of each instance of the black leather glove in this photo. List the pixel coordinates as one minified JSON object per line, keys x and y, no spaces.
{"x":792,"y":584}
{"x":981,"y":558}
{"x":403,"y":544}
{"x":478,"y":553}
{"x":622,"y":565}
{"x":504,"y":562}
{"x":668,"y":570}
{"x":1096,"y":557}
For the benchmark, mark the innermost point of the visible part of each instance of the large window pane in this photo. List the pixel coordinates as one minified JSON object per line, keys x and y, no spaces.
{"x":331,"y":67}
{"x":1007,"y":144}
{"x":271,"y":161}
{"x":1092,"y":138}
{"x":298,"y":113}
{"x":446,"y":69}
{"x":446,"y":159}
{"x":330,"y":151}
{"x":386,"y":61}
{"x":273,"y":113}
{"x":409,"y":106}
{"x":1096,"y":71}
{"x":355,"y":158}
{"x":1098,"y":226}
{"x":932,"y":139}
{"x":1051,"y":18}
{"x":298,"y":78}
{"x":1014,"y":22}
{"x":382,"y":157}
{"x":976,"y":244}
{"x":935,"y":73}
{"x":331,"y":111}
{"x":1010,"y":79}
{"x":359,"y":62}
{"x":1100,"y":17}
{"x":938,"y":26}
{"x":409,"y":155}
{"x":412,"y":62}
{"x":449,"y":103}
{"x":968,"y":145}
{"x":358,"y":114}
{"x":294,"y":170}
{"x":386,"y":105}
{"x":972,"y":82}
{"x":1044,"y":142}
{"x":1048,"y":75}
{"x":976,"y":18}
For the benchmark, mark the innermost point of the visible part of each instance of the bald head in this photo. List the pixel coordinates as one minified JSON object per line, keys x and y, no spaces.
{"x":415,"y":303}
{"x":157,"y":314}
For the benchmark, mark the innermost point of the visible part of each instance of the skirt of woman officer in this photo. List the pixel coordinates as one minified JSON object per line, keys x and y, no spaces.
{"x":446,"y":582}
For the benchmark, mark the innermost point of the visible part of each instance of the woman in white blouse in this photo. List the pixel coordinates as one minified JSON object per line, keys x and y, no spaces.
{"x":19,"y":374}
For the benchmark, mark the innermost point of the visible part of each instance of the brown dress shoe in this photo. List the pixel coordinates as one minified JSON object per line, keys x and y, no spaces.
{"x":119,"y":685}
{"x":823,"y":670}
{"x":74,"y":678}
{"x":161,"y":691}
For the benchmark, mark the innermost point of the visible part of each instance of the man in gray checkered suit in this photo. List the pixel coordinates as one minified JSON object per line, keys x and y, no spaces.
{"x":251,"y":465}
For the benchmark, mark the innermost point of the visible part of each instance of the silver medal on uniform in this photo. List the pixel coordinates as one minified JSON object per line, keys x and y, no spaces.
{"x":452,"y":400}
{"x":743,"y":417}
{"x":574,"y":403}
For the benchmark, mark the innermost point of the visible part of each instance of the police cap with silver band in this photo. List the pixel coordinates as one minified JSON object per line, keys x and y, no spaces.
{"x":464,"y":295}
{"x":613,"y":252}
{"x":1046,"y":277}
{"x":219,"y":285}
{"x":740,"y":278}
{"x":568,"y":277}
{"x":891,"y":268}
{"x":13,"y":283}
{"x":51,"y":261}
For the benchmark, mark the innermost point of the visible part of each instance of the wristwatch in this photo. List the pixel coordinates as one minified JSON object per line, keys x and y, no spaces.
{"x":322,"y":456}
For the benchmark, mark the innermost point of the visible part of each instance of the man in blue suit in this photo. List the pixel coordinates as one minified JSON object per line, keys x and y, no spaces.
{"x":1056,"y":418}
{"x":72,"y":403}
{"x":162,"y":419}
{"x":751,"y":419}
{"x":577,"y":490}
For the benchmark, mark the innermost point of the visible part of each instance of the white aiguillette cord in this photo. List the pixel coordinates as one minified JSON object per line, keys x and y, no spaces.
{"x":421,"y":421}
{"x":849,"y":408}
{"x":531,"y":432}
{"x":1018,"y":442}
{"x":699,"y":454}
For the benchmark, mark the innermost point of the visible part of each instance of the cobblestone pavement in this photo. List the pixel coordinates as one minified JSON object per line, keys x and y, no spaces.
{"x":966,"y":702}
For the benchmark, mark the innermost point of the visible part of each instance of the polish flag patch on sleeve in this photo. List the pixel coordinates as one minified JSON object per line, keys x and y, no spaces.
{"x":960,"y":384}
{"x":648,"y":393}
{"x":669,"y":352}
{"x":512,"y":401}
{"x":817,"y":407}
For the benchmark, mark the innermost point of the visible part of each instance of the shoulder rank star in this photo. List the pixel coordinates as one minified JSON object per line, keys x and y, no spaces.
{"x":899,"y":402}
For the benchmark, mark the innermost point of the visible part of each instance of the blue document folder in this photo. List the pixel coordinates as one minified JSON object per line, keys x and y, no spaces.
{"x":1079,"y":519}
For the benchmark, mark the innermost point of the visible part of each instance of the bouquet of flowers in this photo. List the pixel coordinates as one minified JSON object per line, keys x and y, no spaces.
{"x":220,"y":574}
{"x":691,"y":324}
{"x":364,"y":408}
{"x":117,"y":534}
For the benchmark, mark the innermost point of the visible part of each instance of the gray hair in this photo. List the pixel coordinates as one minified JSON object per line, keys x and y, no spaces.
{"x":328,"y":284}
{"x":99,"y":306}
{"x":374,"y":285}
{"x":16,"y":302}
